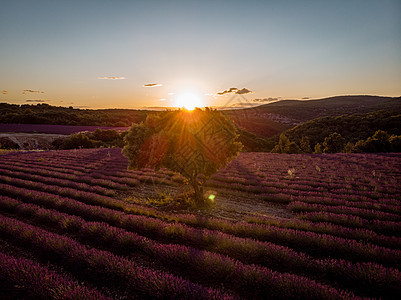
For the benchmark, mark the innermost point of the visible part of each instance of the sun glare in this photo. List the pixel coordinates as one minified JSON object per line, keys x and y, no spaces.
{"x":188,"y":101}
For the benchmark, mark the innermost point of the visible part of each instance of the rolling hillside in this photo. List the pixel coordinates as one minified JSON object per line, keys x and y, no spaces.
{"x":351,"y":127}
{"x":333,"y":106}
{"x":271,"y":119}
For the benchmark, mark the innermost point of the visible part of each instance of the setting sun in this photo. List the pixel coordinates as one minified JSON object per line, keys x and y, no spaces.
{"x":188,"y":101}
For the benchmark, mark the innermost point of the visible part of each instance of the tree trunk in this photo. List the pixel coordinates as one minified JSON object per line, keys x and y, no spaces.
{"x":198,"y":189}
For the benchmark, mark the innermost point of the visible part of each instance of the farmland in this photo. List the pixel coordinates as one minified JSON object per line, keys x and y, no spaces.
{"x":52,"y":129}
{"x":77,"y":224}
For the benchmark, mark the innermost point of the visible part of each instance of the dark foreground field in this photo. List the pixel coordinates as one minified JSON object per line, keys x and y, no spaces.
{"x":77,"y":225}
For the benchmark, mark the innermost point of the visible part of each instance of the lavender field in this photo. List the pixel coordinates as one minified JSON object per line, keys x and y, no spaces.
{"x":52,"y":129}
{"x":66,"y":231}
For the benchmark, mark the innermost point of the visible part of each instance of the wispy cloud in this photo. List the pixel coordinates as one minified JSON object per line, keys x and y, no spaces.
{"x":36,"y":101}
{"x":4,"y":92}
{"x":163,"y":99}
{"x":32,"y":91}
{"x":270,"y":99}
{"x":152,"y":84}
{"x":112,"y":77}
{"x":234,"y":90}
{"x":305,"y":98}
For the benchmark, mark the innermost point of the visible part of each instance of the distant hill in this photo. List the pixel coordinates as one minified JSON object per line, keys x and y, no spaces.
{"x":334,"y":106}
{"x":260,"y":123}
{"x":351,"y":127}
{"x":271,"y":119}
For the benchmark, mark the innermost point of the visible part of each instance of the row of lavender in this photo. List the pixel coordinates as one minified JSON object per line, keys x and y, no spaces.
{"x":108,"y":202}
{"x":101,"y":266}
{"x":98,"y":172}
{"x":155,"y":227}
{"x":119,"y":239}
{"x":200,"y":265}
{"x":204,"y":262}
{"x":68,"y":192}
{"x":361,"y":209}
{"x":40,"y":282}
{"x":376,"y":206}
{"x":360,"y":181}
{"x":371,"y":182}
{"x":314,"y":238}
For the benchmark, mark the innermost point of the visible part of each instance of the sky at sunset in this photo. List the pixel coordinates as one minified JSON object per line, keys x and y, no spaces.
{"x":133,"y":54}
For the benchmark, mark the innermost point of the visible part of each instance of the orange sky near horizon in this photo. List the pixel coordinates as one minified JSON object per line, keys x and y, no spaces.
{"x":130,"y":54}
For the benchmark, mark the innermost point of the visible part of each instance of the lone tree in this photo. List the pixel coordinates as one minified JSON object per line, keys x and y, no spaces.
{"x":193,"y":143}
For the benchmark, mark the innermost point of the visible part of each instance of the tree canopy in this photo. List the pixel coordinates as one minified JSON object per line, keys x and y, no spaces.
{"x":193,"y":143}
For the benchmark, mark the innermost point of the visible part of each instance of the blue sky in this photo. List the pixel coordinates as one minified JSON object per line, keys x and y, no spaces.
{"x":62,"y":51}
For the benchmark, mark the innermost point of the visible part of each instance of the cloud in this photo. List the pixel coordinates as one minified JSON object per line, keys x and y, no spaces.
{"x":270,"y":99}
{"x":163,"y":99}
{"x":243,"y":91}
{"x":229,"y":91}
{"x":112,"y":77}
{"x":36,"y":101}
{"x":152,"y":84}
{"x":305,"y":98}
{"x":236,"y":91}
{"x":4,"y":92}
{"x":32,"y":91}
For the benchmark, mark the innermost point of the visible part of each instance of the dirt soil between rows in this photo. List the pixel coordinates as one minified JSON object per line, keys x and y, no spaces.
{"x":230,"y":205}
